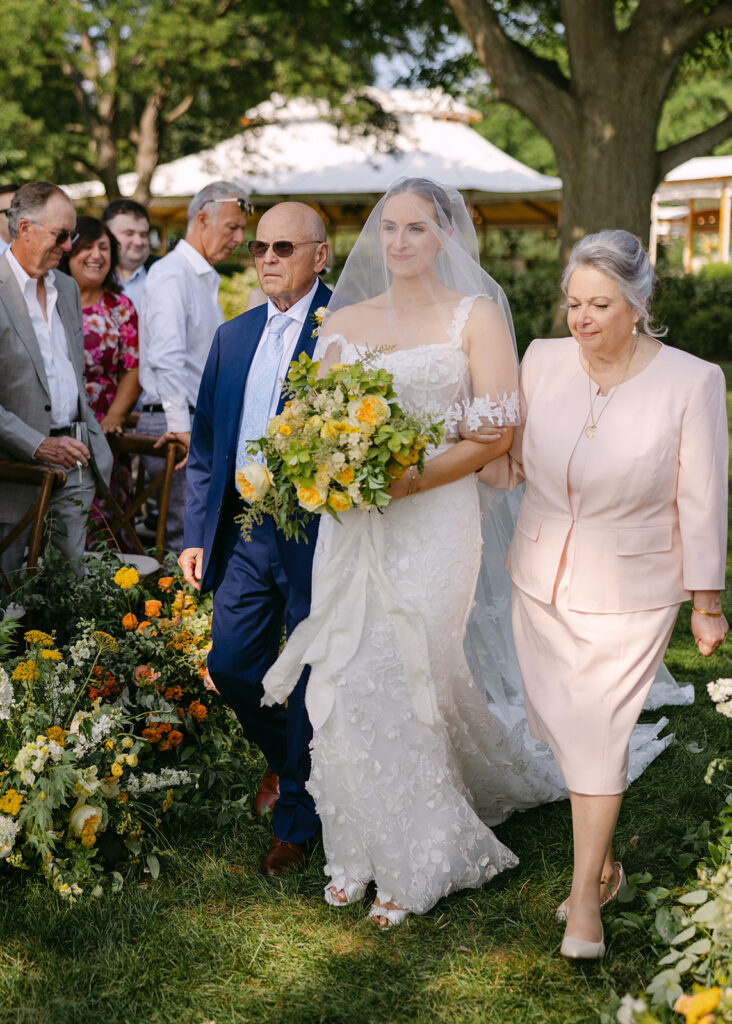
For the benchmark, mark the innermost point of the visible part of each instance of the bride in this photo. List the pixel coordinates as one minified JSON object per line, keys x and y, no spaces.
{"x":409,"y":765}
{"x":414,"y":757}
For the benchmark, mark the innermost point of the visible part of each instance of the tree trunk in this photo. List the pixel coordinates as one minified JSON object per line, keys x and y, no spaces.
{"x":148,"y":145}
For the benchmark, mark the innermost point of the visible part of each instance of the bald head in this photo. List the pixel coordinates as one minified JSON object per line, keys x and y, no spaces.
{"x":286,"y":279}
{"x":296,"y":216}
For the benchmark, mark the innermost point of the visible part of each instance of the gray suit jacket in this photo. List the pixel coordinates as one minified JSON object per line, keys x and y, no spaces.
{"x":25,"y":403}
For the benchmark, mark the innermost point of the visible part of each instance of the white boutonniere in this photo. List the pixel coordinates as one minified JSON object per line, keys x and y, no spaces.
{"x":317,"y":318}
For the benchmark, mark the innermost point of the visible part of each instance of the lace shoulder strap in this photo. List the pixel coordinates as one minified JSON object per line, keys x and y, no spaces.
{"x":460,"y":318}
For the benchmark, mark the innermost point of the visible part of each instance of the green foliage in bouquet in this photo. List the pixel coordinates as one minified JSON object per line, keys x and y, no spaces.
{"x":106,"y":732}
{"x":339,"y":442}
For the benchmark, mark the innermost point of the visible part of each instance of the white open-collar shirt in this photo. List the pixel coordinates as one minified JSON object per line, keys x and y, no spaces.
{"x":179,"y":315}
{"x":63,"y":388}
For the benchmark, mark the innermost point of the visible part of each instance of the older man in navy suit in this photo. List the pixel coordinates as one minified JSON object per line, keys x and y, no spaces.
{"x":263,"y":584}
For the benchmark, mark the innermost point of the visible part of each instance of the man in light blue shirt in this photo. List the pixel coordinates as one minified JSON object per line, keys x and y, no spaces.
{"x":129,"y":223}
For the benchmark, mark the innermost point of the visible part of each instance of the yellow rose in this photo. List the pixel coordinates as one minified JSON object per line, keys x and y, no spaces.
{"x":126,"y":743}
{"x":345,"y":476}
{"x":311,"y":498}
{"x":395,"y":471}
{"x":116,"y":770}
{"x":253,"y":481}
{"x":339,"y":501}
{"x":132,"y":760}
{"x":330,"y":430}
{"x":372,"y":409}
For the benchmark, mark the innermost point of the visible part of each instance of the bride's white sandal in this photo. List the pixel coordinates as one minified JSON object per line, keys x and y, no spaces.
{"x":352,"y":893}
{"x":392,"y":915}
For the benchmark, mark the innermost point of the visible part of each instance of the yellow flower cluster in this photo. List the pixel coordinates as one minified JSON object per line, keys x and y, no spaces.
{"x":38,"y":638}
{"x":25,"y":671}
{"x":88,"y":835}
{"x":57,"y":734}
{"x":11,"y":801}
{"x":699,"y":1008}
{"x":51,"y":655}
{"x":105,"y":641}
{"x":126,"y":577}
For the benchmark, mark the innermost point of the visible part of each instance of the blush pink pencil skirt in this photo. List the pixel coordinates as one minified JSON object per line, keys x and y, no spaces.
{"x":586,"y":678}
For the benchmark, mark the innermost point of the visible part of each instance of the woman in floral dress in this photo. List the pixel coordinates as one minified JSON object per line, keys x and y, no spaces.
{"x":111,"y":353}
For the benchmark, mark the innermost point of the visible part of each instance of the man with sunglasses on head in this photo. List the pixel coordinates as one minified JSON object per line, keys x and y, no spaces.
{"x":261,"y":585}
{"x":180,"y":312}
{"x":6,"y":197}
{"x":44,"y":411}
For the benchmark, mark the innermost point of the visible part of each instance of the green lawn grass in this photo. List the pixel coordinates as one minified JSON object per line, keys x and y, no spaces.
{"x":213,"y":941}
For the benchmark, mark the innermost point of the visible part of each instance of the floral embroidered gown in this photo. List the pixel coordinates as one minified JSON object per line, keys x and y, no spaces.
{"x":408,"y":763}
{"x":110,"y":350}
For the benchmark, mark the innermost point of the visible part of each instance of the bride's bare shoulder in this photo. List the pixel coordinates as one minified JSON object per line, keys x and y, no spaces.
{"x":347,"y":318}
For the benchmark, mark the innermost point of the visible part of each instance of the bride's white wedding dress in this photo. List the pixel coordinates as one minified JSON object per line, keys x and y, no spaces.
{"x":413,"y":759}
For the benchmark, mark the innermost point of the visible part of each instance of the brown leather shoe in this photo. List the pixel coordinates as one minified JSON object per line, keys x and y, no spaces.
{"x":268,"y":793}
{"x":283,"y":856}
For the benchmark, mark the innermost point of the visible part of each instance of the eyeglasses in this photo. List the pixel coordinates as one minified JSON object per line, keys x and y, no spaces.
{"x":244,"y":205}
{"x":5,"y":211}
{"x":283,"y":249}
{"x":62,"y":237}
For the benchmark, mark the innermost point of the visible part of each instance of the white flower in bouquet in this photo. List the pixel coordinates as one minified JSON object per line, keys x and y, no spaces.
{"x":253,"y":481}
{"x":149,"y":783}
{"x":9,"y":829}
{"x":721,"y":693}
{"x":7,"y":695}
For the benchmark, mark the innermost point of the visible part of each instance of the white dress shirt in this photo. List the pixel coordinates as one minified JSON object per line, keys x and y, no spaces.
{"x":3,"y":246}
{"x":63,"y":387}
{"x":297,"y":314}
{"x":180,"y":312}
{"x":132,"y":287}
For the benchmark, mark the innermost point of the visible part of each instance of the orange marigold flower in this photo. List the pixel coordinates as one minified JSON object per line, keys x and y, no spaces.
{"x":198,"y":710}
{"x":173,"y":693}
{"x":152,"y":609}
{"x":165,"y":582}
{"x":175,"y":737}
{"x":129,"y":621}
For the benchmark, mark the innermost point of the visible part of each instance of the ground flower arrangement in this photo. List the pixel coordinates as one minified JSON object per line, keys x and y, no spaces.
{"x":106,"y":730}
{"x":693,"y":926}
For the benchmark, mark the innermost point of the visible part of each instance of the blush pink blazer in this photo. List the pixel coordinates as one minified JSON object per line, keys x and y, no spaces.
{"x":651,"y":522}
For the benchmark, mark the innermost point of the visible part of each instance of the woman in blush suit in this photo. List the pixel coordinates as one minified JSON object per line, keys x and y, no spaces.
{"x":624,"y":452}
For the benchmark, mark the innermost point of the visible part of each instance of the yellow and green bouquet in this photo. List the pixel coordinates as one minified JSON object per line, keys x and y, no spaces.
{"x":339,"y":442}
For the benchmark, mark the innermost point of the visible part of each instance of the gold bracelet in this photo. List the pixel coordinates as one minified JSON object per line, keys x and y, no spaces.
{"x":712,"y":615}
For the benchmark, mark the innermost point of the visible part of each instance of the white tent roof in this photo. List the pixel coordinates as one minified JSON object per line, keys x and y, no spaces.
{"x":292,"y":150}
{"x":704,"y":177}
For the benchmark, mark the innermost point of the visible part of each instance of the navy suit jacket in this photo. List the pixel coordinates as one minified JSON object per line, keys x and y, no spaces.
{"x":214,"y":437}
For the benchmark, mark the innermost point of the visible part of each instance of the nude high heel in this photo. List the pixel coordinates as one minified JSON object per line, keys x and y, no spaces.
{"x":562,"y":912}
{"x":581,"y":949}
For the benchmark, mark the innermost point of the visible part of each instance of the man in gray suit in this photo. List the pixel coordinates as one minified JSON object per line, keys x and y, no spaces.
{"x":44,"y":412}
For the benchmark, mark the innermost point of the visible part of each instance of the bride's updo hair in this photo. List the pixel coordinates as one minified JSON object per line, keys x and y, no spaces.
{"x":425,"y":189}
{"x":621,"y":256}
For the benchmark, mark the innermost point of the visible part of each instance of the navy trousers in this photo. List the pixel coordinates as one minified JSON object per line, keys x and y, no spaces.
{"x":253,"y":600}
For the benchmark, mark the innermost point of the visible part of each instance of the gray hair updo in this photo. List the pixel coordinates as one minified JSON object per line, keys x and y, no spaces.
{"x":621,"y":256}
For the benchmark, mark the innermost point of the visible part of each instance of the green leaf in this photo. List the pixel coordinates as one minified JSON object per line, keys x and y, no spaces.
{"x":695,"y":898}
{"x":684,"y":936}
{"x":698,"y":948}
{"x":153,"y":865}
{"x":711,"y":914}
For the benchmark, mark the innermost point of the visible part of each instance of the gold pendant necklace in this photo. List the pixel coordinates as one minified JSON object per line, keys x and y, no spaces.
{"x":591,"y":428}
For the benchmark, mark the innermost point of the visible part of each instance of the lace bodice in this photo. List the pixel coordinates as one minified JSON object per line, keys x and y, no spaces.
{"x":434,"y":381}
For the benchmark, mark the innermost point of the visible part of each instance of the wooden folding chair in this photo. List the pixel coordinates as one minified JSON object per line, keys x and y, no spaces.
{"x":123,"y":520}
{"x":47,"y":478}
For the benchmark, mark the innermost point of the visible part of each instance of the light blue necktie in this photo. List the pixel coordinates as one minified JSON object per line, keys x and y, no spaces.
{"x":261,"y":384}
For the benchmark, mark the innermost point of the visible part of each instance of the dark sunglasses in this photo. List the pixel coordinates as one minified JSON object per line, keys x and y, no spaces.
{"x":62,"y":236}
{"x":244,"y":205}
{"x":283,"y":249}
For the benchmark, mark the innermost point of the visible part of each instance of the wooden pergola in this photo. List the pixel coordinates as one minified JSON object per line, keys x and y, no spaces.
{"x":695,"y":198}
